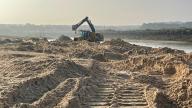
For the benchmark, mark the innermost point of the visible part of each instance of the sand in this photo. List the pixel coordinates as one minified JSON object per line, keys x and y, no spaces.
{"x":68,"y":74}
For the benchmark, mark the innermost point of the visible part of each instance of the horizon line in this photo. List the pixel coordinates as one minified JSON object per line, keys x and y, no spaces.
{"x":165,"y":22}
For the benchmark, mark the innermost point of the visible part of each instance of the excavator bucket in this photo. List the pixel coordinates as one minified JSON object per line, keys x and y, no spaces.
{"x":74,"y":27}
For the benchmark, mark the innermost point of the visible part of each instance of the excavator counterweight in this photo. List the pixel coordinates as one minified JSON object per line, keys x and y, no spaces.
{"x":91,"y":36}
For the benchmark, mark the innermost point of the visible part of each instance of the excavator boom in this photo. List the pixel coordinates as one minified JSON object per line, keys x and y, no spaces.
{"x":86,"y":19}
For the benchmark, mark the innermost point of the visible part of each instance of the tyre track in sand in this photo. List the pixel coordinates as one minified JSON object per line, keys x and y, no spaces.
{"x":117,"y":92}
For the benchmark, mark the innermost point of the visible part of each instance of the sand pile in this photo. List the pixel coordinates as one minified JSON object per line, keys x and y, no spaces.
{"x":181,"y":89}
{"x":95,"y":51}
{"x":120,"y":46}
{"x":64,"y":38}
{"x":34,"y":77}
{"x":166,"y":50}
{"x":174,"y":70}
{"x":109,"y":50}
{"x":5,"y":40}
{"x":65,"y":73}
{"x":158,"y":99}
{"x":153,"y":64}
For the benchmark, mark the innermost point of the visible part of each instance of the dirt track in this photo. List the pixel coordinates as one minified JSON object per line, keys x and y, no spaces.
{"x":117,"y":92}
{"x":114,"y":74}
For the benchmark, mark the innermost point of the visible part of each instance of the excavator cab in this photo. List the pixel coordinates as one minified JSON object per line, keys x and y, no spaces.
{"x":87,"y":35}
{"x":84,"y":35}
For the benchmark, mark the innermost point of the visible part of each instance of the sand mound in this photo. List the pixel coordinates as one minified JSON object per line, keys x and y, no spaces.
{"x":64,"y":38}
{"x":181,"y":89}
{"x":66,"y":73}
{"x":32,"y":78}
{"x":163,"y":64}
{"x":157,"y":99}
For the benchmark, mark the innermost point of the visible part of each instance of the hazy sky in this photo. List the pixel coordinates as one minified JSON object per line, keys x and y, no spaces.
{"x":101,"y":12}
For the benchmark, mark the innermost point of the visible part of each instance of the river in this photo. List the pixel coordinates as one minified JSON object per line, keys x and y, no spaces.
{"x":186,"y":46}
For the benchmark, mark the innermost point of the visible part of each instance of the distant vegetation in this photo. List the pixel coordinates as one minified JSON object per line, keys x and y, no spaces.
{"x":183,"y":34}
{"x":166,"y":25}
{"x":178,"y":31}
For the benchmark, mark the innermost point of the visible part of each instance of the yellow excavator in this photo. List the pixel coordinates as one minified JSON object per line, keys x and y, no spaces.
{"x":91,"y":36}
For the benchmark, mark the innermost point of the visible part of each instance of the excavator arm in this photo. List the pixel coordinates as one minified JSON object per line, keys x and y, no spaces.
{"x":86,"y":19}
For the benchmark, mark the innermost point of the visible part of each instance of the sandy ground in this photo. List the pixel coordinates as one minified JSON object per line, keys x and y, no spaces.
{"x":113,"y":74}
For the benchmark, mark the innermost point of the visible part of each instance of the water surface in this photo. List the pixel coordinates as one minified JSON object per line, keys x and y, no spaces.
{"x":186,"y":46}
